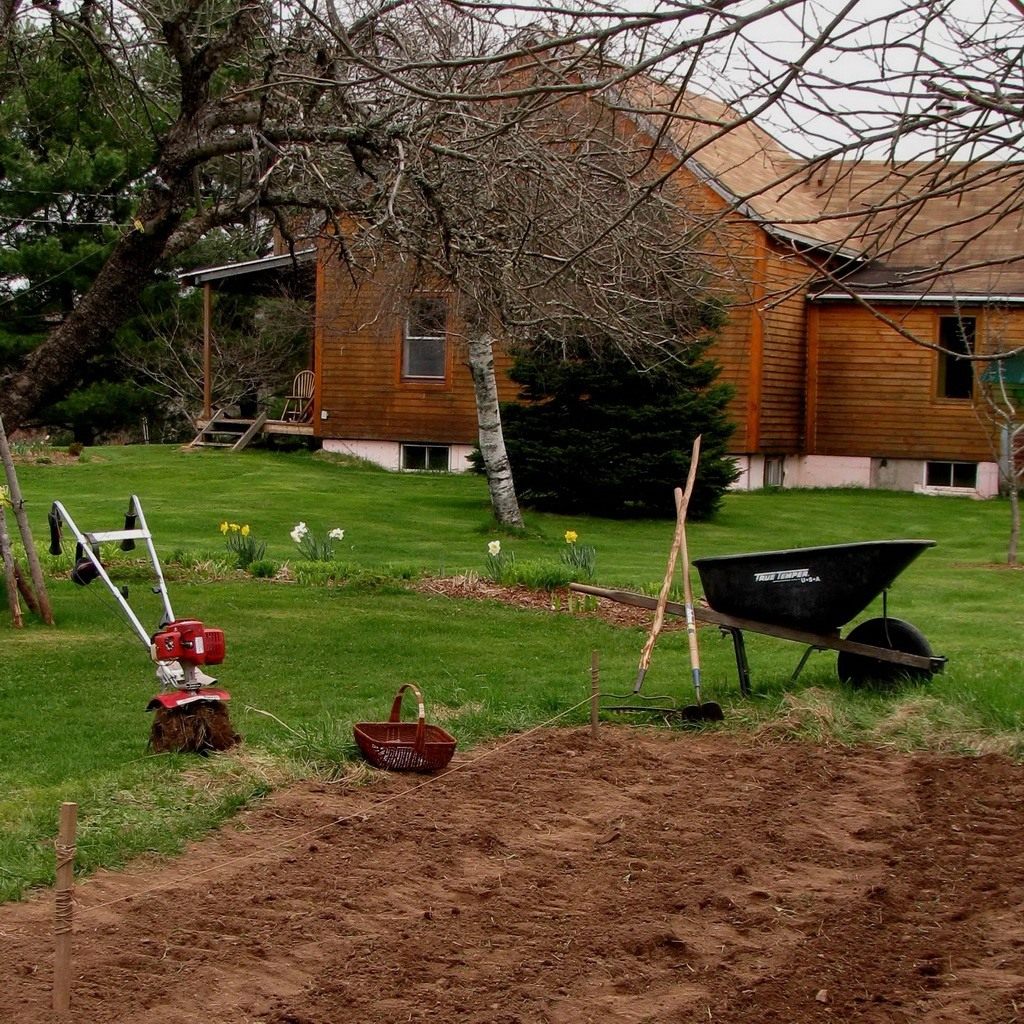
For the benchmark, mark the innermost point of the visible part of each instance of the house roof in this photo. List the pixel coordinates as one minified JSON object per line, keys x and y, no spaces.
{"x":739,"y":160}
{"x":253,"y":275}
{"x":941,"y":230}
{"x":912,"y":229}
{"x":933,"y":229}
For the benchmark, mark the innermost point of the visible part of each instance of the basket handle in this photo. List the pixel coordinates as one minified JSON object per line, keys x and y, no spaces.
{"x":420,"y":743}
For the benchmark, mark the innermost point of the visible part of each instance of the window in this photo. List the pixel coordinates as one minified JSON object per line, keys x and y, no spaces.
{"x":433,"y":457}
{"x":423,"y":352}
{"x":772,"y":471}
{"x":956,"y":338}
{"x":951,"y":474}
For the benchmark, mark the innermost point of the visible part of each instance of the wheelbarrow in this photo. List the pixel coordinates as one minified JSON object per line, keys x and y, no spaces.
{"x":807,"y":595}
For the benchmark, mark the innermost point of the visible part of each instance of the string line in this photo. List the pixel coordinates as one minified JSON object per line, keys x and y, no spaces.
{"x":364,"y":813}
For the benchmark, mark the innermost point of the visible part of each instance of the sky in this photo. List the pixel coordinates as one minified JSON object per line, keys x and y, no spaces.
{"x":882,"y":55}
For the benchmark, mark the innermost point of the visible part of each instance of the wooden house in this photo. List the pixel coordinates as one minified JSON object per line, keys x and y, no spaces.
{"x":828,"y":270}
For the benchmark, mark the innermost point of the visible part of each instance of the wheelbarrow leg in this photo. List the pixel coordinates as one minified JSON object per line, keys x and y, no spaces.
{"x":803,"y":661}
{"x":742,"y":666}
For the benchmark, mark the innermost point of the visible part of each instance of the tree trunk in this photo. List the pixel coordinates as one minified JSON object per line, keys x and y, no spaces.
{"x":10,"y":580}
{"x":492,"y":441}
{"x":18,"y":504}
{"x":112,"y":297}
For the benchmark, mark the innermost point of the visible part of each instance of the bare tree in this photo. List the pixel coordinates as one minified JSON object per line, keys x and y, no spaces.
{"x":999,"y":401}
{"x":547,"y":218}
{"x":235,"y":98}
{"x":250,"y":360}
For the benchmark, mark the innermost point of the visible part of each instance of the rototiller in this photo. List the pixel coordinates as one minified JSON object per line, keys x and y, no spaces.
{"x":189,"y":711}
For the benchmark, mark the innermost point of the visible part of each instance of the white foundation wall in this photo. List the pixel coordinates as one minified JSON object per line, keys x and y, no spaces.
{"x":988,"y":479}
{"x":804,"y":471}
{"x":827,"y":471}
{"x":388,"y":454}
{"x":857,"y":471}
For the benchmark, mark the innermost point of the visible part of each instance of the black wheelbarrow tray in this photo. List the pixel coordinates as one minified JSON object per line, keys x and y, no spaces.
{"x":807,"y":595}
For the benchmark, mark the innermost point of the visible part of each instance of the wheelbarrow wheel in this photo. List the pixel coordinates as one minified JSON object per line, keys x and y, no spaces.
{"x":891,"y":635}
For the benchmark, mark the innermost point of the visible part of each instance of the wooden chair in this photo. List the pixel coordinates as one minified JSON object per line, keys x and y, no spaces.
{"x":298,"y":406}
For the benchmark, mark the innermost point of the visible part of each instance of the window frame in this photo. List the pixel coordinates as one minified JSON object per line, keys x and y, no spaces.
{"x":949,"y":363}
{"x":932,"y":465}
{"x":427,"y":448}
{"x":408,"y":337}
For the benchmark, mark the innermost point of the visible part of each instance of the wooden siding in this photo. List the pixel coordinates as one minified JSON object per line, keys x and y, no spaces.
{"x":877,"y":392}
{"x":784,"y":367}
{"x":359,"y":332}
{"x":760,"y":348}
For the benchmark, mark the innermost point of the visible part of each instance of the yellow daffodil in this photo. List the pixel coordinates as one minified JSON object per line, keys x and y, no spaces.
{"x":570,"y":536}
{"x":245,"y":530}
{"x":224,"y":527}
{"x":234,"y":527}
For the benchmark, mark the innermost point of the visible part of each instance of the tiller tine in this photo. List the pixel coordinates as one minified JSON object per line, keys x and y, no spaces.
{"x":191,"y":722}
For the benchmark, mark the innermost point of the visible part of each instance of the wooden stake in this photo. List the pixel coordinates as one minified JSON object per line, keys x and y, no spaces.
{"x":64,"y":898}
{"x":18,"y":504}
{"x":10,"y":579}
{"x":25,"y":590}
{"x":595,"y":690}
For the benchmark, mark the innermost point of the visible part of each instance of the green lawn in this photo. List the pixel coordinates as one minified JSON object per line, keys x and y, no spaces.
{"x":318,"y":658}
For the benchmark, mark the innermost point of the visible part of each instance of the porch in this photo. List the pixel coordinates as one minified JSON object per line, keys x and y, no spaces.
{"x":283,"y":274}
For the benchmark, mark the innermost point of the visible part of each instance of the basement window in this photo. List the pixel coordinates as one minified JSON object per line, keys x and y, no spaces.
{"x":773,"y":474}
{"x":430,"y":457}
{"x":956,"y":338}
{"x":423,"y":348}
{"x":961,"y":475}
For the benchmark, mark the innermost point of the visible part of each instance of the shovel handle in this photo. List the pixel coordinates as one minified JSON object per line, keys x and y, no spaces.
{"x":691,"y":625}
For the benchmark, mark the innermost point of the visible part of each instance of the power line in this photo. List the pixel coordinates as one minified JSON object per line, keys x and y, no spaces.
{"x":64,"y":223}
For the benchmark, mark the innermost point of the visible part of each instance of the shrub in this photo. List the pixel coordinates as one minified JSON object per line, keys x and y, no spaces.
{"x":599,"y":435}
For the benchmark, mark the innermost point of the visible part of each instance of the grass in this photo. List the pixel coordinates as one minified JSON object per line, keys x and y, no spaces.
{"x":308,"y":658}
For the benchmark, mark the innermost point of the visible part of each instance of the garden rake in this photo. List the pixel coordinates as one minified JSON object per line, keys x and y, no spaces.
{"x":701,"y":710}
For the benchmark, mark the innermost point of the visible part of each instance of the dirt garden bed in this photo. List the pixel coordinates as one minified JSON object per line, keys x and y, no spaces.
{"x":646,"y":876}
{"x":560,"y":600}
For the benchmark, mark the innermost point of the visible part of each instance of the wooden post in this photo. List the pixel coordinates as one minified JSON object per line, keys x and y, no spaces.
{"x":18,"y":504}
{"x":207,"y":349}
{"x":595,"y":690}
{"x":10,"y":577}
{"x":64,"y":898}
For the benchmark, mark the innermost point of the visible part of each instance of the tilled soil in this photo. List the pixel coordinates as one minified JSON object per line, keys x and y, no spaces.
{"x":646,"y":876}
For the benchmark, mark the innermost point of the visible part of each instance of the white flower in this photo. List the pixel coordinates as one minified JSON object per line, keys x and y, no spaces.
{"x":299,"y":532}
{"x":494,"y":548}
{"x":337,"y":534}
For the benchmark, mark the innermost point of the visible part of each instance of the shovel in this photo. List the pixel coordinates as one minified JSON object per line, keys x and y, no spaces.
{"x":702,"y":711}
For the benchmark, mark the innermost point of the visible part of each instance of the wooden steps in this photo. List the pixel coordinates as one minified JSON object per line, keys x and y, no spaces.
{"x":221,"y":431}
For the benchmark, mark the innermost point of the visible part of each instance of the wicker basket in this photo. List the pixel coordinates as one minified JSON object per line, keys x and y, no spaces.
{"x":405,"y":746}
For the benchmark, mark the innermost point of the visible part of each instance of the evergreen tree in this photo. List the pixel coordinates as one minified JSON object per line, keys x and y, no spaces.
{"x":69,"y":180}
{"x":598,"y":434}
{"x":76,"y":151}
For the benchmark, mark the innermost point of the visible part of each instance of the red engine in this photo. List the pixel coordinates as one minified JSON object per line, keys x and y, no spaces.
{"x":190,"y":642}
